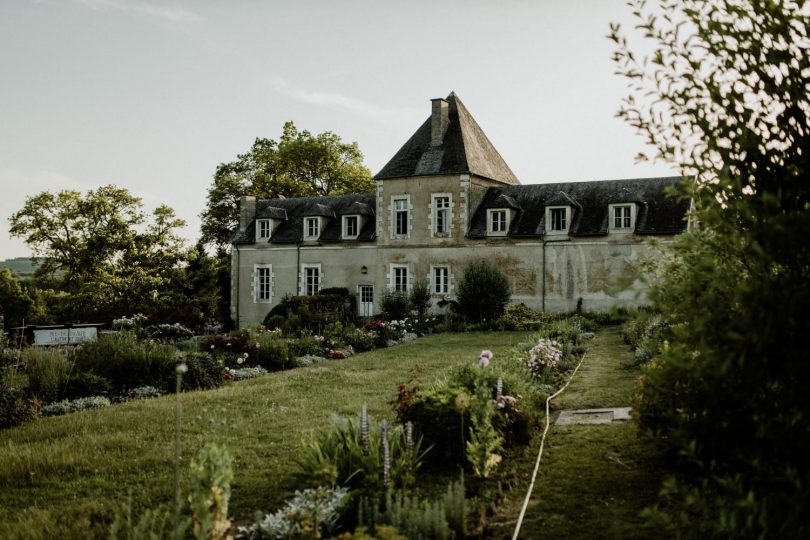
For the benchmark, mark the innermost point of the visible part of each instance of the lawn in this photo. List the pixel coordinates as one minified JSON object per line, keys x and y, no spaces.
{"x":65,"y":477}
{"x":594,"y":480}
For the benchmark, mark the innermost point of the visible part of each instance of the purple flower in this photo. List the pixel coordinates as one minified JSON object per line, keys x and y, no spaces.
{"x":483,"y":362}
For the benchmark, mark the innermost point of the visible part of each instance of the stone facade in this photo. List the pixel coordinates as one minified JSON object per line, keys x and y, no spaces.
{"x":444,"y":200}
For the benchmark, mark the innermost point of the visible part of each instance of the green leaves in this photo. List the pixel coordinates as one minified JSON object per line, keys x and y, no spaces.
{"x":298,"y":165}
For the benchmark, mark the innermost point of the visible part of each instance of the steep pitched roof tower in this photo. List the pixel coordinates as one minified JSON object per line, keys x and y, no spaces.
{"x":450,"y":141}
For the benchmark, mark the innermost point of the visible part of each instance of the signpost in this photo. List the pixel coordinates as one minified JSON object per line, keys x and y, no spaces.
{"x":65,"y":336}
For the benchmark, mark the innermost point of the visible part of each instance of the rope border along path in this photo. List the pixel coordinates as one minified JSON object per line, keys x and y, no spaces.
{"x":540,"y":453}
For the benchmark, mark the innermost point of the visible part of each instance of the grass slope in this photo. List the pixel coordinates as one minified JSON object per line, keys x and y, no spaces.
{"x":594,"y":480}
{"x":65,"y":477}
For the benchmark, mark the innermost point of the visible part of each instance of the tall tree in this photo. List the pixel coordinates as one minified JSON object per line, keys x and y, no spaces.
{"x":729,"y":99}
{"x":300,"y":164}
{"x":100,"y":250}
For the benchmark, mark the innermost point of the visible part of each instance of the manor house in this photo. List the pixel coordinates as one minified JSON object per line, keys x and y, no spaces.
{"x":446,"y":198}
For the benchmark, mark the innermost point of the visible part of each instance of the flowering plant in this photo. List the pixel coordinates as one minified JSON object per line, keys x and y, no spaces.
{"x":546,"y":354}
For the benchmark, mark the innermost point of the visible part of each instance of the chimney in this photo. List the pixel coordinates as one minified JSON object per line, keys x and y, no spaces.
{"x":247,"y":211}
{"x":439,"y":119}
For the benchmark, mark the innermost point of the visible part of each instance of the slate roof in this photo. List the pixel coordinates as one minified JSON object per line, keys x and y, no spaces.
{"x":464,"y":150}
{"x":658,"y":213}
{"x":291,"y":229}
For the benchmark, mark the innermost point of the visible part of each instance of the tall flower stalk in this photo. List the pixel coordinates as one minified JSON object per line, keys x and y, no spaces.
{"x":386,"y":451}
{"x":179,"y":371}
{"x":364,"y":436}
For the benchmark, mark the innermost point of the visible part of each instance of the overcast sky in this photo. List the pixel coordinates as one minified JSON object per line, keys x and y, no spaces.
{"x":152,"y":95}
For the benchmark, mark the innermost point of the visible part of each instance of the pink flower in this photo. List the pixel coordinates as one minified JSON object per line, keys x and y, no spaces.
{"x":483,"y":362}
{"x":486,"y":354}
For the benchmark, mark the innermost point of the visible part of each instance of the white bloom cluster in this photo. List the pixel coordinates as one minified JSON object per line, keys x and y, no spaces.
{"x":546,"y":354}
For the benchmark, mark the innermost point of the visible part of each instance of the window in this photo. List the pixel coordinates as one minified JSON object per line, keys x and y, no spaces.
{"x":621,"y":216}
{"x":496,"y":222}
{"x":558,"y":219}
{"x":441,"y":215}
{"x":351,"y":226}
{"x":441,"y":280}
{"x":399,"y":278}
{"x":312,"y":279}
{"x":263,"y":229}
{"x":400,"y":216}
{"x":312,"y":228}
{"x":262,"y":283}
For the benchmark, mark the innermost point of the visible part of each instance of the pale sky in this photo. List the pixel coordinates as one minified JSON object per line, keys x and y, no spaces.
{"x":152,"y":95}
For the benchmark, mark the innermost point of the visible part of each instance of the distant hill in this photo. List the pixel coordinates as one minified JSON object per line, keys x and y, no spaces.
{"x":22,"y":267}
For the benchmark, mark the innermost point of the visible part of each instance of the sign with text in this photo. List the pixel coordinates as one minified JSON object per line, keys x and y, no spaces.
{"x":64,"y":336}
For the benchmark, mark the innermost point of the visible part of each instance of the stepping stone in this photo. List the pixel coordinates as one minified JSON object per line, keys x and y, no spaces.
{"x":593,"y":416}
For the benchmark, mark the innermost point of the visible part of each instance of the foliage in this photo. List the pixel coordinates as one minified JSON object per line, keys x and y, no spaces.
{"x":152,"y":524}
{"x":483,"y":292}
{"x":210,"y":492}
{"x":68,"y":406}
{"x":729,"y":102}
{"x":246,"y":373}
{"x":47,"y":371}
{"x":168,"y":332}
{"x":101,"y":251}
{"x":272,"y":352}
{"x":204,"y":372}
{"x":86,"y":383}
{"x":646,"y":333}
{"x":485,"y":441}
{"x":311,"y":513}
{"x":519,"y":317}
{"x":352,"y":454}
{"x":298,"y":165}
{"x":15,"y":408}
{"x":311,"y":313}
{"x":127,"y":362}
{"x":394,"y":305}
{"x":419,"y":297}
{"x":15,"y":301}
{"x":545,"y":355}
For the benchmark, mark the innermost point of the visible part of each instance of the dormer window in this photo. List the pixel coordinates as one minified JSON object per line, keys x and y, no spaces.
{"x":312,"y":228}
{"x":622,"y":217}
{"x":497,"y":224}
{"x":264,"y":228}
{"x":558,"y":219}
{"x":351,"y":227}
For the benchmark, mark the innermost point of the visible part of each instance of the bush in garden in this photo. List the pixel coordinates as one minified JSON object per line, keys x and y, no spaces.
{"x":312,"y":513}
{"x":47,"y":371}
{"x":273,"y":354}
{"x":210,"y":492}
{"x":86,"y":383}
{"x":204,"y":372}
{"x":15,"y":408}
{"x":394,"y":305}
{"x":306,"y":345}
{"x":364,"y":456}
{"x":419,"y":298}
{"x":546,"y":354}
{"x":68,"y":406}
{"x":168,"y":332}
{"x":483,"y":292}
{"x":518,"y":317}
{"x":359,"y":340}
{"x":241,"y":374}
{"x":485,"y":441}
{"x":125,"y":361}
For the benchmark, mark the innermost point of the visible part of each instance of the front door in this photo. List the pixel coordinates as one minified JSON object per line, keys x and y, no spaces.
{"x":365,"y":306}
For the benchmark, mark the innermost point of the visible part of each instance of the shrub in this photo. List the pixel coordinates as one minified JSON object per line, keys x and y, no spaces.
{"x":168,"y":332}
{"x":272,"y":352}
{"x":306,"y":345}
{"x":312,"y":513}
{"x":15,"y":409}
{"x":125,"y":361}
{"x":394,"y":305}
{"x":247,"y":373}
{"x":86,"y":383}
{"x":419,"y":297}
{"x":519,"y":317}
{"x":47,"y":371}
{"x":210,"y":492}
{"x":204,"y":372}
{"x":67,"y":406}
{"x":546,"y":354}
{"x":483,"y":292}
{"x":353,"y":454}
{"x":359,"y":340}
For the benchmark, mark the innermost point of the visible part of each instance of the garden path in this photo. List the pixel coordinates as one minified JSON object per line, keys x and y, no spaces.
{"x":594,"y":479}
